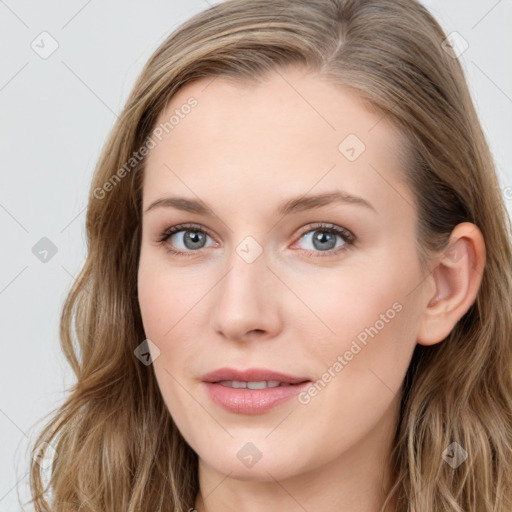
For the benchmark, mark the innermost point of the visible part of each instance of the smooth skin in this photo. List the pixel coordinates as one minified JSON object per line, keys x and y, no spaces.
{"x":242,"y":151}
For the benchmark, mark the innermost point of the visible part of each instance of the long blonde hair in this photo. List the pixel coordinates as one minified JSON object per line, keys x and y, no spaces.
{"x":117,"y":448}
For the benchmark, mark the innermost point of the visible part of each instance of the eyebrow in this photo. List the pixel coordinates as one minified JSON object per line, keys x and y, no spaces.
{"x":293,"y":205}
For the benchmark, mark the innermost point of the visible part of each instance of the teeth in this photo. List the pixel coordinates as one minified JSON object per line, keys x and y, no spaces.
{"x":238,"y":384}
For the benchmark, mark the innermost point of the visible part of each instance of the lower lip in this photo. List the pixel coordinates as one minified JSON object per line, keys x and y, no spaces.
{"x":252,"y":401}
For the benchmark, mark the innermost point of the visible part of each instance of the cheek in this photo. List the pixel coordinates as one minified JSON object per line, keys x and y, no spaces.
{"x":365,"y":314}
{"x":342,"y":303}
{"x":360,"y":369}
{"x":166,"y":308}
{"x":164,"y":296}
{"x":365,"y":360}
{"x":171,"y":307}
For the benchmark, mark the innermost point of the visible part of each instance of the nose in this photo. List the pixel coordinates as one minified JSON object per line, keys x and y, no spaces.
{"x":247,"y":301}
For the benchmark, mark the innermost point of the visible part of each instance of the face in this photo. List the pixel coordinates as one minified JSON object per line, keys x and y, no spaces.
{"x":256,"y":263}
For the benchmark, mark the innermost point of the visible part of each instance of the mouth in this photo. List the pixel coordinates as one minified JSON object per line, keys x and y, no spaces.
{"x":261,"y":377}
{"x":252,"y":391}
{"x":263,"y":384}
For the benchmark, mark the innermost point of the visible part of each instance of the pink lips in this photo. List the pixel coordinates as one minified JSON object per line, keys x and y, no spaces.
{"x":251,"y":375}
{"x":251,"y":401}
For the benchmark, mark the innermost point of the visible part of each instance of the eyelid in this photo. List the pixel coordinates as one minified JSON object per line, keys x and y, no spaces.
{"x":326,"y":226}
{"x":176,"y":228}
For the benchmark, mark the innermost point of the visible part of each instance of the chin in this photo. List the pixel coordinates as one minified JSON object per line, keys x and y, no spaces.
{"x":258,"y":460}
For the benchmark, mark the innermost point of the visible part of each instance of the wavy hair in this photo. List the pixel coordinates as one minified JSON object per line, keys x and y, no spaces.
{"x":116,"y":445}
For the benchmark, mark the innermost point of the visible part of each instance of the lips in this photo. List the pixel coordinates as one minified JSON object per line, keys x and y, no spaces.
{"x":252,"y":375}
{"x":252,"y":391}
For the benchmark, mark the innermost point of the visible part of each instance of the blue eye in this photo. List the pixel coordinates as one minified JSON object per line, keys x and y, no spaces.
{"x":324,"y":239}
{"x":192,"y":238}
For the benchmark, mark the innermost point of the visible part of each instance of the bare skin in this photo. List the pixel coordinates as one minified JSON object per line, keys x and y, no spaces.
{"x":242,"y":151}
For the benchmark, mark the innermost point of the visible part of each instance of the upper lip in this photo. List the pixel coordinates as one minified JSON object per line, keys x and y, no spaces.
{"x":251,"y":375}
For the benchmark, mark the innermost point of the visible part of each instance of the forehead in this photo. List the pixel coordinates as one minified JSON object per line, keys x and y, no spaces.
{"x":292,"y":132}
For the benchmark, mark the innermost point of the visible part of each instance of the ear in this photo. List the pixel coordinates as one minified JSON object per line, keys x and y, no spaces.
{"x":456,"y":279}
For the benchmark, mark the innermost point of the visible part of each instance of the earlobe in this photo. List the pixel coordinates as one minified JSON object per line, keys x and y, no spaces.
{"x":457,"y":277}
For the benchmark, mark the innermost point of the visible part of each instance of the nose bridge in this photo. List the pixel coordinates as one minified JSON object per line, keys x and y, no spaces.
{"x":246,"y":299}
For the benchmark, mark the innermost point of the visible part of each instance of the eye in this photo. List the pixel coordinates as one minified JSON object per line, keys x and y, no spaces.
{"x":184,"y":238}
{"x":327,"y":238}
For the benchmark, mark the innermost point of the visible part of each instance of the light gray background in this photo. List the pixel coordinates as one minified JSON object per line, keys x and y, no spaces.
{"x":57,"y":113}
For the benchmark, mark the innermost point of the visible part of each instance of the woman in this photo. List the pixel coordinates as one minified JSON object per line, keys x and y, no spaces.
{"x":297,"y":291}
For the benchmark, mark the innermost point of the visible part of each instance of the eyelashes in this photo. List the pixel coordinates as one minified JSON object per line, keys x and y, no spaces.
{"x":201,"y":233}
{"x":190,"y":228}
